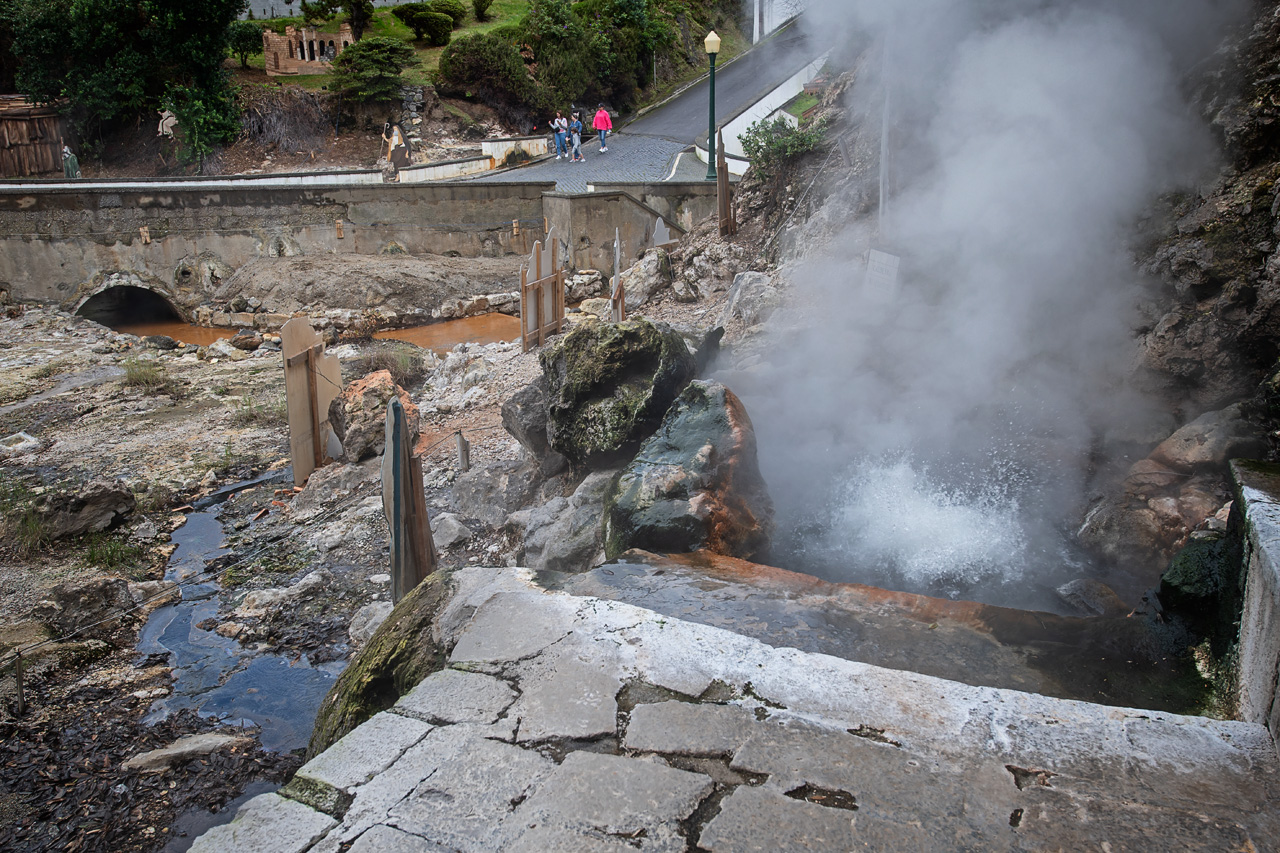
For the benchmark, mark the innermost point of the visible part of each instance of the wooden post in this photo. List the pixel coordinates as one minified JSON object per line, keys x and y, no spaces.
{"x":404,"y":502}
{"x":617,"y":298}
{"x":18,"y":673}
{"x":311,"y":382}
{"x":464,"y":452}
{"x":724,"y":196}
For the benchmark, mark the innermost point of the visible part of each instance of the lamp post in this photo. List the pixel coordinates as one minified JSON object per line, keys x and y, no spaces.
{"x":712,"y":44}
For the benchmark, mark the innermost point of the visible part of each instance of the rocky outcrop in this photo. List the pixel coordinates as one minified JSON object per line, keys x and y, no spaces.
{"x":97,"y":506}
{"x":564,"y":534}
{"x":608,"y":387}
{"x":490,"y":493}
{"x":752,"y":299}
{"x":524,"y":416}
{"x":359,"y":416}
{"x":74,"y":605}
{"x":695,"y":484}
{"x":646,"y":278}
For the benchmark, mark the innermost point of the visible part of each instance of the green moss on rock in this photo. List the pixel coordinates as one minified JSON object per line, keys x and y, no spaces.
{"x":400,"y":654}
{"x":608,"y":387}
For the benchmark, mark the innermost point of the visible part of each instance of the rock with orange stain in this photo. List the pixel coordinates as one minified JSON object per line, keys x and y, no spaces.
{"x":695,"y":483}
{"x":359,"y":416}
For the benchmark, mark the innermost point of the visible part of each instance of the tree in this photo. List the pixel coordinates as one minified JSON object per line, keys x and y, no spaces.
{"x":481,"y":8}
{"x":369,"y":70}
{"x":245,"y":41}
{"x":116,"y":59}
{"x":359,"y":13}
{"x":204,"y":120}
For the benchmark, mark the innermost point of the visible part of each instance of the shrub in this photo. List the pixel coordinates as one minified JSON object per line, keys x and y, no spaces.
{"x":771,"y":145}
{"x":455,"y":9}
{"x":426,"y":22}
{"x":403,"y":361}
{"x":490,"y":68}
{"x":369,"y":70}
{"x":481,"y":8}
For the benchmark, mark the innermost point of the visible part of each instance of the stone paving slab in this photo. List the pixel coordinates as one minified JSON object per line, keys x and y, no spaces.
{"x":450,"y":696}
{"x":365,"y":752}
{"x":722,"y":743}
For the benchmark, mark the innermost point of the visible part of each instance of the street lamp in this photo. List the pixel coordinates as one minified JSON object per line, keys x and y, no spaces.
{"x":712,"y":44}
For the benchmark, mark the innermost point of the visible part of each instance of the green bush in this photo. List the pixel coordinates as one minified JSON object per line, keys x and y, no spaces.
{"x":369,"y":70}
{"x":455,"y":9}
{"x":481,"y":8}
{"x":485,"y":66}
{"x":428,"y":24}
{"x":771,"y":145}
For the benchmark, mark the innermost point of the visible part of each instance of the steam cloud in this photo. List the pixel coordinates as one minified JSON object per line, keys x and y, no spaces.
{"x":940,"y":439}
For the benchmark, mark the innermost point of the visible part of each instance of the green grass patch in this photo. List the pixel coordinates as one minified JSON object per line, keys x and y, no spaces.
{"x":114,"y":553}
{"x":150,"y":376}
{"x":21,"y":525}
{"x":269,"y":411}
{"x":801,"y":104}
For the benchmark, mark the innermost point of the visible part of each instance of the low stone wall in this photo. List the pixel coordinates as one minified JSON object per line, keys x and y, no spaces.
{"x":683,"y":204}
{"x":57,"y":245}
{"x":445,"y":169}
{"x":585,"y":224}
{"x":1258,"y":491}
{"x":520,"y":147}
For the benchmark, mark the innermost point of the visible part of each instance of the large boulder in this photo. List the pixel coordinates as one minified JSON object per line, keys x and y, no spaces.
{"x":608,"y":387}
{"x":695,"y":484}
{"x":1209,"y":441}
{"x":74,"y":605}
{"x":752,"y":299}
{"x":646,"y":277}
{"x":97,"y":506}
{"x":524,"y":416}
{"x":359,"y":415}
{"x":492,"y":492}
{"x":565,"y":534}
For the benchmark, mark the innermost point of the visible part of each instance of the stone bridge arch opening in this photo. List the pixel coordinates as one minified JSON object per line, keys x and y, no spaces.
{"x":123,"y":307}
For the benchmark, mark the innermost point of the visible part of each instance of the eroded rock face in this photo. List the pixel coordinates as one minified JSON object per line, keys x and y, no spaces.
{"x":608,"y":387}
{"x":359,"y":416}
{"x":524,"y":416}
{"x":646,"y":278}
{"x":565,"y":534}
{"x":99,"y":505}
{"x":75,"y":604}
{"x":491,"y":492}
{"x":752,"y":298}
{"x":695,"y":484}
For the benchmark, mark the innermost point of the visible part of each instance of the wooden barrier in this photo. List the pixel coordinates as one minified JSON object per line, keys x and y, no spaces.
{"x":724,"y":193}
{"x":617,"y":295}
{"x":311,"y":382}
{"x":542,"y":298}
{"x":413,"y":553}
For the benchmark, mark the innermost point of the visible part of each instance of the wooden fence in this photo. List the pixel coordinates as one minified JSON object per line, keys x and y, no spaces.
{"x":542,"y":298}
{"x":30,"y":138}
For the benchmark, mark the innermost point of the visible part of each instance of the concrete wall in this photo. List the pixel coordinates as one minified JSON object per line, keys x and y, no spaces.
{"x":57,"y":244}
{"x":220,"y":182}
{"x":683,"y":204}
{"x":524,"y":147}
{"x":445,"y":170}
{"x":585,"y":224}
{"x":1258,"y":488}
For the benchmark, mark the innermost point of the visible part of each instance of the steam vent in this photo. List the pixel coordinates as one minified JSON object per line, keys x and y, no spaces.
{"x":856,"y":427}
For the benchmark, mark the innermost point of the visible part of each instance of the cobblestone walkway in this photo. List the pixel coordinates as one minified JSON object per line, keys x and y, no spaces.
{"x":630,"y":159}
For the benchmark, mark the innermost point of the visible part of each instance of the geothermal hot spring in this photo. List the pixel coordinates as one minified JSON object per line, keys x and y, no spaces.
{"x":945,"y":436}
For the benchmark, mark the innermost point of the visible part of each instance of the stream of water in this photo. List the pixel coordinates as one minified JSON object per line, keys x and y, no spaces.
{"x":216,"y":676}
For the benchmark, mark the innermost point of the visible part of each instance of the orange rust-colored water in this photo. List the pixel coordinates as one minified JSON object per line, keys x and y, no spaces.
{"x":179,"y":331}
{"x":442,"y":337}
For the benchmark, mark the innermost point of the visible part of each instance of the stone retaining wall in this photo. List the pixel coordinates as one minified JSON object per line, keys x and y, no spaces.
{"x":1258,"y":490}
{"x":55,"y":242}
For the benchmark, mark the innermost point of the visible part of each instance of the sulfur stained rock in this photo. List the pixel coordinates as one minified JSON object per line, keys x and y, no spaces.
{"x":695,"y":484}
{"x":359,"y":416}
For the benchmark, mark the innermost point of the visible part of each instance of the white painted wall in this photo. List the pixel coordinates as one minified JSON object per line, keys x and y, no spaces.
{"x":445,"y":171}
{"x":768,"y":15}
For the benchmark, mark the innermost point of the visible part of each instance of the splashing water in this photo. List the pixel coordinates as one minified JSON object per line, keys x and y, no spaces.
{"x":896,"y":516}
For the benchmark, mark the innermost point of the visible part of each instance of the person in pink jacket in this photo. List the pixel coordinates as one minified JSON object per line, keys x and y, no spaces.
{"x":603,"y":124}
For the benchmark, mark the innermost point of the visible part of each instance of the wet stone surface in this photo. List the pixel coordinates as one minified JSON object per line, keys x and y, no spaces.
{"x":723,"y":743}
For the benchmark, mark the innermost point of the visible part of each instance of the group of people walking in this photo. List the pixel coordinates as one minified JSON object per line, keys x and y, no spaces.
{"x":568,"y":133}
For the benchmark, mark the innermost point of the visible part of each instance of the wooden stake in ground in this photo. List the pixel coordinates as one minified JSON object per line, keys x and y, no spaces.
{"x":724,"y":193}
{"x":311,"y":382}
{"x":617,"y":298}
{"x":413,"y":555}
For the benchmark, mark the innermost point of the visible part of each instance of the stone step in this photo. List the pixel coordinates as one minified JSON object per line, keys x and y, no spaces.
{"x":571,"y":723}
